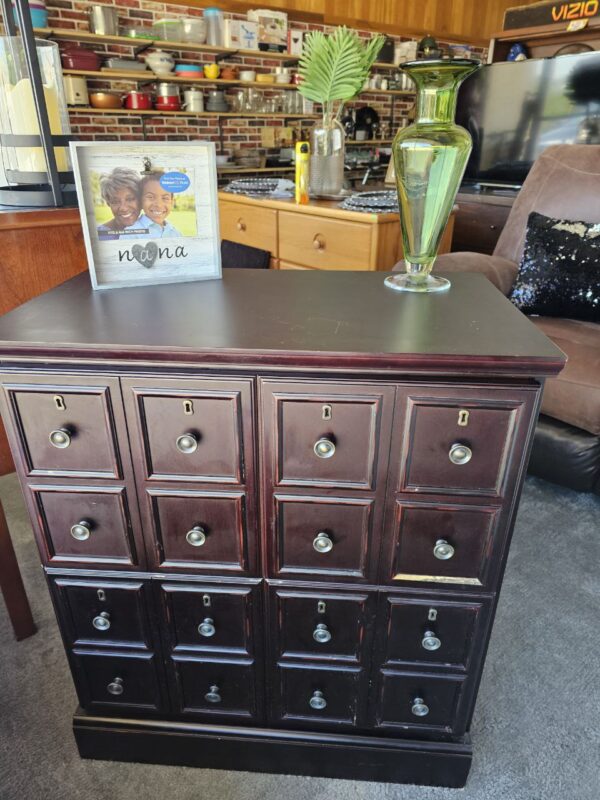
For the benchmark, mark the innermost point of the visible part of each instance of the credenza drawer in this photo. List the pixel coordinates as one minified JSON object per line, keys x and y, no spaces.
{"x":199,"y":531}
{"x":88,"y":525}
{"x":256,"y":227}
{"x":321,"y":624}
{"x":319,"y":696}
{"x":322,"y":537}
{"x":208,"y":617}
{"x":410,"y":700}
{"x":433,"y":631}
{"x":189,"y":430}
{"x":324,"y":434}
{"x":324,"y":243}
{"x":67,"y":426}
{"x":103,"y":612}
{"x":116,"y":681}
{"x":213,"y":687}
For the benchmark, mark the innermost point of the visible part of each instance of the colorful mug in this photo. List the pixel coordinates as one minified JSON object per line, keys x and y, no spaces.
{"x":211,"y":71}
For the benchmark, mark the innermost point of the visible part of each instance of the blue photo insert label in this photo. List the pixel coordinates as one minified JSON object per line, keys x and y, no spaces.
{"x":175,"y":181}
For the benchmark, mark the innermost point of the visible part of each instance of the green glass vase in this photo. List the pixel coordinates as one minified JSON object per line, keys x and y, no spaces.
{"x":430,"y":157}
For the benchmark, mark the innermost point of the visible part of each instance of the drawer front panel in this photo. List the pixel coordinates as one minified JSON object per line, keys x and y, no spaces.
{"x":407,"y":700}
{"x":201,"y":530}
{"x":324,"y":438}
{"x":460,"y":444}
{"x":319,"y":696}
{"x":190,"y":430}
{"x":441,"y":544}
{"x":322,"y":538}
{"x":478,"y":225}
{"x":101,"y":612}
{"x":323,"y":243}
{"x":113,"y":681}
{"x":431,"y":632}
{"x":321,"y":625}
{"x":214,"y":688}
{"x":67,"y":428}
{"x":255,"y":227}
{"x":209,"y":617}
{"x":87,"y":525}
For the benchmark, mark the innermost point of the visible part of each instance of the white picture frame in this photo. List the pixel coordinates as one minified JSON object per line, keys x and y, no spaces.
{"x":164,"y":229}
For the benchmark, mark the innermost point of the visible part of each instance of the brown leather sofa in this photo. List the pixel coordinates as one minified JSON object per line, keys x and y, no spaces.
{"x":564,"y":183}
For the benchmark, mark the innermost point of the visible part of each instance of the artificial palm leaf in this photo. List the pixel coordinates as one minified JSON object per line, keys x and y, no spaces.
{"x":336,"y":66}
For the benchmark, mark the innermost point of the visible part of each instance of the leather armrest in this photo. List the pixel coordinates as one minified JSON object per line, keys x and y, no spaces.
{"x":500,"y":271}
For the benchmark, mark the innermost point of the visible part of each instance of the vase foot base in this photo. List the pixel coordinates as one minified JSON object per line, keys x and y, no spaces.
{"x":403,"y":283}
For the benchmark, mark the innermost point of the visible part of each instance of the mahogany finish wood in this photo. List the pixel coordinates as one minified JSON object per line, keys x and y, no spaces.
{"x":282,"y":601}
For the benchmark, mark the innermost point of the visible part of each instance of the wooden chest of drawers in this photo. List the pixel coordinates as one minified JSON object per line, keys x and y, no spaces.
{"x":274,"y":513}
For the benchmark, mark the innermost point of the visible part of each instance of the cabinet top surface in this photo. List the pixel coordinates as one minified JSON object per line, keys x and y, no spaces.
{"x":284,"y":318}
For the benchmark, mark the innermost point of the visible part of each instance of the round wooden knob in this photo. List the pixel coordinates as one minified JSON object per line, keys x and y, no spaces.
{"x":241,"y":225}
{"x":319,"y":243}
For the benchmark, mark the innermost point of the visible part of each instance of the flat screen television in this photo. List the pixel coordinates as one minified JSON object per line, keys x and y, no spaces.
{"x":514,"y":110}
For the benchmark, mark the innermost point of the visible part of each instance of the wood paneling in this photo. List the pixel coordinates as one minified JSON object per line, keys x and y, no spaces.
{"x":39,"y":250}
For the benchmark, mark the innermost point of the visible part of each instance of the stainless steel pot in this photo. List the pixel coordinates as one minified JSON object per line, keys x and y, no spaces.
{"x":104,"y":20}
{"x":167,"y":90}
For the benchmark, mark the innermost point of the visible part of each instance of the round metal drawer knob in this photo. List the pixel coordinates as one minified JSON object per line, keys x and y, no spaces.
{"x":460,"y":454}
{"x":321,"y":633}
{"x":60,"y":438}
{"x":196,"y":537}
{"x":115,"y":687}
{"x":322,"y":543}
{"x":430,"y":641}
{"x":207,"y":628}
{"x":317,"y":701}
{"x":81,"y":530}
{"x":213,"y":695}
{"x":443,"y":550}
{"x":102,"y":621}
{"x":324,"y":448}
{"x":187,"y":443}
{"x":419,"y":708}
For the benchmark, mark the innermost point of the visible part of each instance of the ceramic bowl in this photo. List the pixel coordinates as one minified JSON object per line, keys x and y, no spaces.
{"x":265,"y":78}
{"x":248,"y":75}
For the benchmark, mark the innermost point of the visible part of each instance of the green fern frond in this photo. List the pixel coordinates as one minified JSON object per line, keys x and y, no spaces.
{"x":335,"y":67}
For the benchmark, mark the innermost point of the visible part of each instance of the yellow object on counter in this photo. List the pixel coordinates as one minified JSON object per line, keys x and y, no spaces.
{"x":302,"y":172}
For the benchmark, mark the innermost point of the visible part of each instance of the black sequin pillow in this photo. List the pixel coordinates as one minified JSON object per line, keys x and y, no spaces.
{"x":559,"y":274}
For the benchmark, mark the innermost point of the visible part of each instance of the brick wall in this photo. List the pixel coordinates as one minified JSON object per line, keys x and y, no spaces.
{"x":233,"y":132}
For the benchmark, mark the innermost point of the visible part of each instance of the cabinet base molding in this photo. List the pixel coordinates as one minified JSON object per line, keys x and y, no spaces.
{"x":324,"y":755}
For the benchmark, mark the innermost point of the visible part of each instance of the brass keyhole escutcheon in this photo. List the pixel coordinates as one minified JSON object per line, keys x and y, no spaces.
{"x":327,"y":412}
{"x":188,"y":407}
{"x":463,"y":417}
{"x":59,"y":402}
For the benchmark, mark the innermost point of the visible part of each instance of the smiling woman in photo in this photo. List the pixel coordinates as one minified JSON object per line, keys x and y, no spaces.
{"x":120,"y":190}
{"x":157,"y":204}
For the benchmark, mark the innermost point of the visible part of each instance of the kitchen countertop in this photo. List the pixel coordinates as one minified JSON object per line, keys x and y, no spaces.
{"x":325,"y":208}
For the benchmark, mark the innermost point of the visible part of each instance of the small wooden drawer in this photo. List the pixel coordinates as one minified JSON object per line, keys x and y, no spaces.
{"x":103,"y":612}
{"x":445,"y":543}
{"x":432,"y":632}
{"x":459,"y":443}
{"x":67,"y":426}
{"x":214,"y":688}
{"x":322,"y":537}
{"x":324,"y":243}
{"x":478,"y":226}
{"x":324,"y":435}
{"x":208,"y":617}
{"x":87,"y":525}
{"x":315,"y":695}
{"x":116,"y":681}
{"x":190,"y":430}
{"x":201,"y":531}
{"x":410,"y":700}
{"x":256,"y":227}
{"x":320,"y":625}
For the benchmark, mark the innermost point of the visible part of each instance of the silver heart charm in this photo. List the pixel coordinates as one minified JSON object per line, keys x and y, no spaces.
{"x":146,"y":255}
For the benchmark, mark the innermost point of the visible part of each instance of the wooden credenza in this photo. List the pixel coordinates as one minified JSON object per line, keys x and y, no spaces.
{"x":274,"y":512}
{"x":319,"y":235}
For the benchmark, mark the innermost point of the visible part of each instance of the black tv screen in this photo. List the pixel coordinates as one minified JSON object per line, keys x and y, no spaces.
{"x":514,"y":110}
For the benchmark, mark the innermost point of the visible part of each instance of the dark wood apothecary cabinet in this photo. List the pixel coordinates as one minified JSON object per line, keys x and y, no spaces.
{"x":274,"y":512}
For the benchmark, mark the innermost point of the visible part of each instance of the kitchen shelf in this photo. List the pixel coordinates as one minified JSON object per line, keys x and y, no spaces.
{"x":239,"y":170}
{"x":150,"y":77}
{"x":367,"y":142}
{"x":131,"y":41}
{"x":158,"y":113}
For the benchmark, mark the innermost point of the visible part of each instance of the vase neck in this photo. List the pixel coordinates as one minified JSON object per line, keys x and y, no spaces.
{"x":437,"y":87}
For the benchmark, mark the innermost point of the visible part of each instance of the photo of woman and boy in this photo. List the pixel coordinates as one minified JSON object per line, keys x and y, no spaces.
{"x":133,"y":205}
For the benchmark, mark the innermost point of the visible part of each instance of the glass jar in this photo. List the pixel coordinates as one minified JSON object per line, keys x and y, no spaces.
{"x":327,"y":150}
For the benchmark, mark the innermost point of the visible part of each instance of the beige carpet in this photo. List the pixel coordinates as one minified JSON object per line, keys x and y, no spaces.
{"x":535,"y":730}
